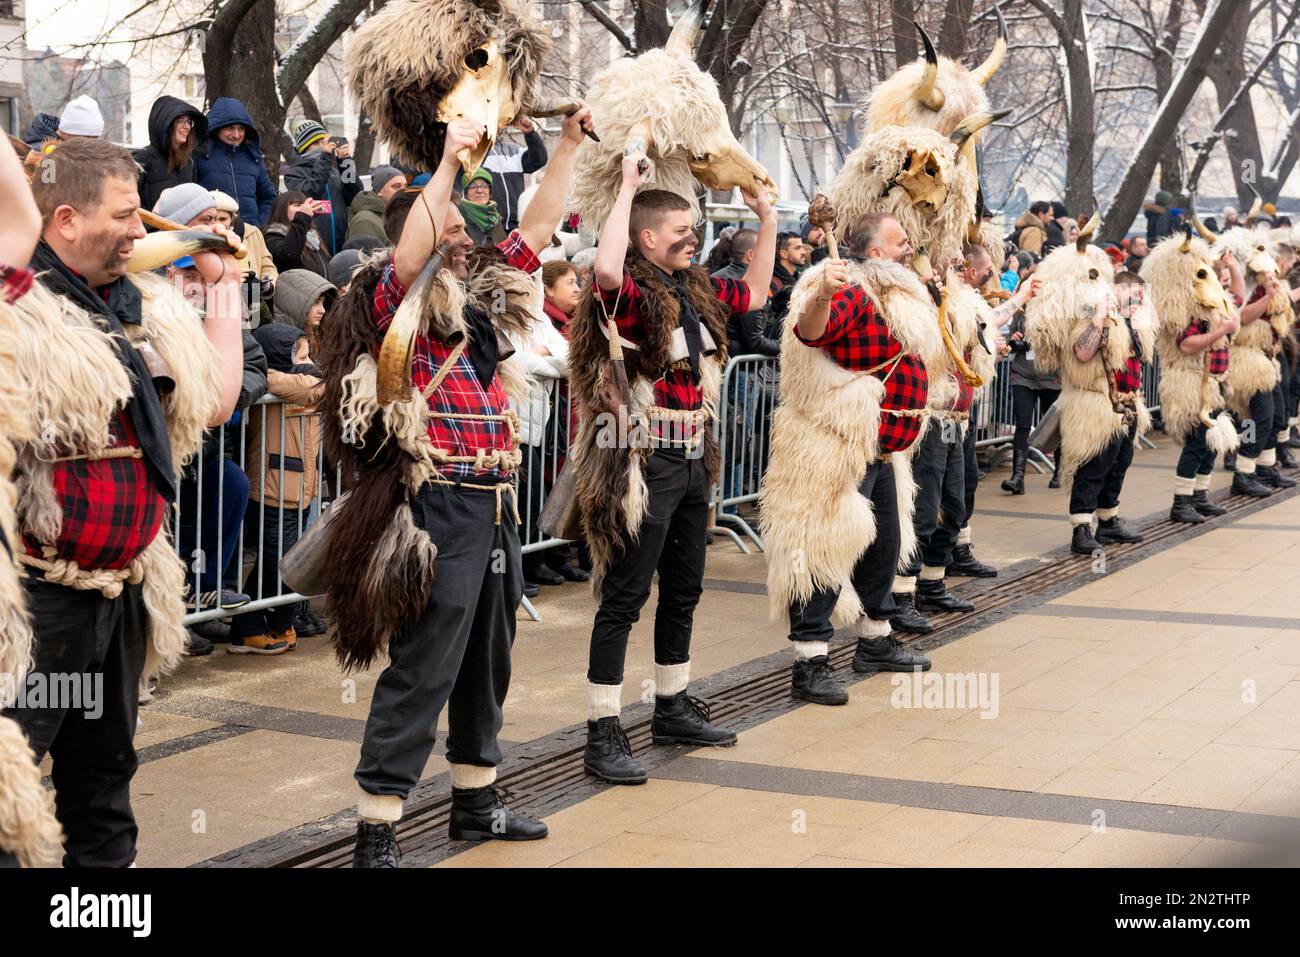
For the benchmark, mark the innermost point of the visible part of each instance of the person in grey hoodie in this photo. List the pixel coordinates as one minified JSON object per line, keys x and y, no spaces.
{"x":302,"y":298}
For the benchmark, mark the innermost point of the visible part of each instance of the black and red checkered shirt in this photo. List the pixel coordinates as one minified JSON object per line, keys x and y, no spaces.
{"x":14,"y":282}
{"x":1218,"y":354}
{"x":111,"y":509}
{"x":1128,"y":377}
{"x":858,"y":338}
{"x":461,"y":392}
{"x":678,"y":388}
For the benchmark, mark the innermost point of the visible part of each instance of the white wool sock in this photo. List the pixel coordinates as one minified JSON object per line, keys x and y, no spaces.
{"x":1267,"y":458}
{"x":469,"y":776}
{"x":378,"y":808}
{"x":1202,"y":483}
{"x":904,"y":584}
{"x":871,"y":628}
{"x":671,"y":679}
{"x":807,"y":650}
{"x":1246,"y":466}
{"x":963,"y":537}
{"x":1284,"y":436}
{"x":931,"y":573}
{"x":1106,"y":514}
{"x":603,"y":701}
{"x":1081,"y":518}
{"x":1184,"y":486}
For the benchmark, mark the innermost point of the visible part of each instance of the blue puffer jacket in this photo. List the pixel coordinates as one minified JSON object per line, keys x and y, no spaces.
{"x":239,"y":172}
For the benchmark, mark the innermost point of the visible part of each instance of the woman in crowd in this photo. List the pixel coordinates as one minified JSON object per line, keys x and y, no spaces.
{"x":258,"y":266}
{"x":482,"y":219}
{"x":1031,"y":390}
{"x":175,"y":129}
{"x":291,"y":234}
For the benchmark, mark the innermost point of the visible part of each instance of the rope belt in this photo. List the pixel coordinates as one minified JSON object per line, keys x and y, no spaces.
{"x":1128,"y":398}
{"x":695,"y":418}
{"x":64,"y":571}
{"x":499,"y":488}
{"x":117,"y":452}
{"x":953,"y":415}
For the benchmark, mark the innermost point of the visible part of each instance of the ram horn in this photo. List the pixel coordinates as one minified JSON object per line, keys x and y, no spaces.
{"x":973,"y":124}
{"x":1088,"y":228}
{"x":681,"y":42}
{"x":1256,"y":207}
{"x":1186,"y":246}
{"x":926,"y":91}
{"x":984,"y":72}
{"x":1201,"y":228}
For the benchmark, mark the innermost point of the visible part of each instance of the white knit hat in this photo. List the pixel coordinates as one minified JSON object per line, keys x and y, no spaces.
{"x":225,"y":201}
{"x":81,"y":117}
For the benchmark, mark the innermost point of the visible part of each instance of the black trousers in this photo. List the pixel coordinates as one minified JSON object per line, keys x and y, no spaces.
{"x":873,"y":575}
{"x":970,"y":466}
{"x":1294,"y":389}
{"x":671,"y":541}
{"x":1260,"y":426}
{"x":1099,"y":480}
{"x":457,"y":653}
{"x":940,"y":473}
{"x":272,"y":534}
{"x":83,"y":633}
{"x":1196,"y":457}
{"x":1279,"y":407}
{"x":1287,"y":387}
{"x":1023,"y":402}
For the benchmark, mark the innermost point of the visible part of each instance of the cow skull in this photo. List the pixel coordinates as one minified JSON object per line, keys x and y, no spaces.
{"x":923,"y":179}
{"x":724,"y":164}
{"x":484,"y":95}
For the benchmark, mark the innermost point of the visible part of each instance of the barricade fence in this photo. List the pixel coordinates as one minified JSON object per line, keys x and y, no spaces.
{"x":228,"y":539}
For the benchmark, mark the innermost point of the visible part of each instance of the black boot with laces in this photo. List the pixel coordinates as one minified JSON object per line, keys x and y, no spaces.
{"x":376,"y":846}
{"x":479,"y":814}
{"x":609,"y":754}
{"x":907,"y":618}
{"x":813,"y":680}
{"x":682,"y":719}
{"x":886,"y":653}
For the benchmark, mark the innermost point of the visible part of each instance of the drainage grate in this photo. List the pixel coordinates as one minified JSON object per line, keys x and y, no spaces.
{"x":547,"y":775}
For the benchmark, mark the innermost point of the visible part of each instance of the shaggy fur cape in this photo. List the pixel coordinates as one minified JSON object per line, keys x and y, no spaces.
{"x":381,"y":565}
{"x":1252,"y":367}
{"x":825,"y":432}
{"x":1171,"y":274}
{"x":1073,"y":282}
{"x":404,"y":59}
{"x":62,"y":349}
{"x":894,"y":103}
{"x":863,"y":186}
{"x":608,"y":482}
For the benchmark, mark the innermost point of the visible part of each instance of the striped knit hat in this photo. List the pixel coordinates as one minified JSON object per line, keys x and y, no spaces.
{"x":306,"y":133}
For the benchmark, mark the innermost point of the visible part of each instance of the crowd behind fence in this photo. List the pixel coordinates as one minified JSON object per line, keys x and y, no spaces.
{"x":748,"y":399}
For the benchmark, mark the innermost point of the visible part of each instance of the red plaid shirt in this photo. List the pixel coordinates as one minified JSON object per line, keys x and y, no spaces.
{"x":111,"y":510}
{"x":14,"y":282}
{"x":1218,"y":354}
{"x":1128,"y":378}
{"x":461,"y":393}
{"x":858,"y":338}
{"x":677,"y":389}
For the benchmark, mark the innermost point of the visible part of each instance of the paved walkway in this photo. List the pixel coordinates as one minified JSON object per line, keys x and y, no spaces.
{"x":1149,"y":716}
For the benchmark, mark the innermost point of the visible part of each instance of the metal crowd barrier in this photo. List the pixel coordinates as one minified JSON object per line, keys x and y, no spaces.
{"x":748,"y":397}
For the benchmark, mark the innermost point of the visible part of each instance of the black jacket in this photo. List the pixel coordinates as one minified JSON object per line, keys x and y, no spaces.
{"x":322,"y":175}
{"x":155,"y":176}
{"x":745,"y":333}
{"x":292,"y":246}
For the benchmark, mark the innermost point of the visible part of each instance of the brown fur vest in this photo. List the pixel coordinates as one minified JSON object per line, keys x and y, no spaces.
{"x":609,"y":484}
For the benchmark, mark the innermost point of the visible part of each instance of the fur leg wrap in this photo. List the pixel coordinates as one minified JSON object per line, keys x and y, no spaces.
{"x":1223,"y":437}
{"x":28,"y":827}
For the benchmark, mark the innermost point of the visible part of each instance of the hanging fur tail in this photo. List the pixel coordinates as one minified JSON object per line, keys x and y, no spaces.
{"x":1223,"y":437}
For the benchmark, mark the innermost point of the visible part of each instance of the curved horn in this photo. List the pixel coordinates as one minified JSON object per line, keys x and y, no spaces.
{"x":1187,"y":240}
{"x":984,"y":72}
{"x":681,"y":42}
{"x":973,"y":124}
{"x":1088,"y":228}
{"x":1201,"y":228}
{"x":926,"y":91}
{"x":1256,"y":207}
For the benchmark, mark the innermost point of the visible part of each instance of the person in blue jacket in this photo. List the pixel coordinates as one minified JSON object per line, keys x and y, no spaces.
{"x":234,"y":162}
{"x":325,"y":171}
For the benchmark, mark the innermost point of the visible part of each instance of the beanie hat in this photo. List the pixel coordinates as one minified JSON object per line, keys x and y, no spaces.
{"x":81,"y":117}
{"x":1163,"y":198}
{"x":306,"y":133}
{"x":343,"y":266}
{"x":380,"y":175}
{"x":480,"y":173}
{"x":182,"y":203}
{"x":225,"y":202}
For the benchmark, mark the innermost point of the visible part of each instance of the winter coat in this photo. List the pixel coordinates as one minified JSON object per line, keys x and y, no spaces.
{"x":297,"y":245}
{"x":240,"y":172}
{"x":745,"y":333}
{"x":1160,"y":223}
{"x":1030,"y":234}
{"x":154,"y":158}
{"x":321,"y":175}
{"x":295,"y":293}
{"x":366,"y":217}
{"x":534,"y":410}
{"x":284,"y":437}
{"x":1023,"y":370}
{"x":508,"y":163}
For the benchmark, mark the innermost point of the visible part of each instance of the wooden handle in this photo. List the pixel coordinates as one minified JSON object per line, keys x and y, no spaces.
{"x":237,"y":249}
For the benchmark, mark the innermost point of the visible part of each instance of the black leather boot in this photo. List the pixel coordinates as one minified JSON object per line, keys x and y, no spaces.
{"x":609,"y":755}
{"x":931,"y":595}
{"x":682,"y":719}
{"x":812,"y":679}
{"x":1268,"y":475}
{"x":479,"y":814}
{"x":1230,"y":461}
{"x":1285,"y":458}
{"x":1082,"y":541}
{"x":886,"y":654}
{"x":1243,"y":484}
{"x":908,"y":618}
{"x":1056,"y":478}
{"x":964,"y":564}
{"x":376,"y":846}
{"x":1113,"y":531}
{"x":1016,"y":484}
{"x":1201,"y":502}
{"x":1186,"y":510}
{"x":1294,"y":441}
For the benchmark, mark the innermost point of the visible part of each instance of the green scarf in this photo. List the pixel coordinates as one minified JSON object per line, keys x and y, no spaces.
{"x":483,"y":216}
